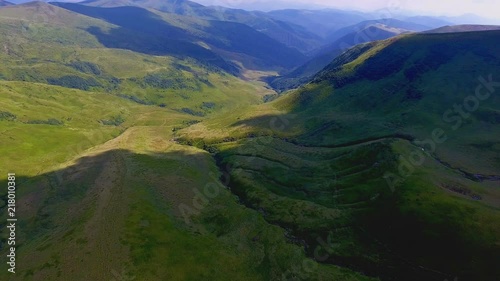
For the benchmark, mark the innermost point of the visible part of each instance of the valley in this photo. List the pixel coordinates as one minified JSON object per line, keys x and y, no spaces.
{"x":189,"y":144}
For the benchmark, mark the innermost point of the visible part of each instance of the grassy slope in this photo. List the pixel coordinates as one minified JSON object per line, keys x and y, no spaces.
{"x":47,"y":53}
{"x":348,"y":37}
{"x":102,"y":202}
{"x":360,"y":122}
{"x":138,"y":181}
{"x":356,"y":99}
{"x":225,"y":36}
{"x":135,"y":183}
{"x":305,"y":73}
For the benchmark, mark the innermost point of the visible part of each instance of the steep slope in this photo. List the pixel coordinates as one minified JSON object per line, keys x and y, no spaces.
{"x":59,"y":51}
{"x":154,"y":165}
{"x":105,"y":193}
{"x":417,"y":61}
{"x":286,"y":33}
{"x":119,"y":201}
{"x":26,"y":12}
{"x":390,"y":154}
{"x":363,"y":32}
{"x":225,"y":37}
{"x":105,"y":33}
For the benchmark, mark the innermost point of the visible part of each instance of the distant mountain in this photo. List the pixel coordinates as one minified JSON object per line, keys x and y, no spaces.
{"x":46,"y":1}
{"x":360,"y":33}
{"x":289,"y":34}
{"x":72,"y":50}
{"x":321,"y":22}
{"x":4,"y":3}
{"x":107,"y":3}
{"x":464,"y":28}
{"x":432,"y":22}
{"x":181,"y":35}
{"x":182,"y":7}
{"x":52,"y":16}
{"x":264,"y":5}
{"x":469,"y":19}
{"x":389,"y":25}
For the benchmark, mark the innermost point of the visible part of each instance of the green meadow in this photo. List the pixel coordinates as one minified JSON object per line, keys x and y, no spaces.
{"x":137,"y":166}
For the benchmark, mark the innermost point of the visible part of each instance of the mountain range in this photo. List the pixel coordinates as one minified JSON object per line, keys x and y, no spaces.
{"x":284,"y":32}
{"x":343,"y":39}
{"x":167,"y":140}
{"x":382,"y":146}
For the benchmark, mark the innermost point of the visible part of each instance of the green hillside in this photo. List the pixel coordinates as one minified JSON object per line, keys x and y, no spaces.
{"x":155,"y":35}
{"x":373,"y":150}
{"x":118,"y":202}
{"x":340,"y":41}
{"x":306,"y":72}
{"x":59,"y":52}
{"x":147,"y":147}
{"x":104,"y":191}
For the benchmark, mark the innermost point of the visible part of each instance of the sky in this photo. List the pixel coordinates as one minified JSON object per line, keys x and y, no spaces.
{"x":484,"y":8}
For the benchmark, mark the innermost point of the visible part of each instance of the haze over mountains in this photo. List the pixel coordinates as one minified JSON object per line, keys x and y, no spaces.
{"x":343,"y":39}
{"x":5,"y":3}
{"x":167,"y":140}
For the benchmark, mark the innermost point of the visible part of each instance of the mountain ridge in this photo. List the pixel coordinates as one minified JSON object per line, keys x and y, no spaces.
{"x":464,"y":28}
{"x":232,"y":37}
{"x":350,"y":36}
{"x":286,"y":33}
{"x":378,"y":118}
{"x":147,"y":145}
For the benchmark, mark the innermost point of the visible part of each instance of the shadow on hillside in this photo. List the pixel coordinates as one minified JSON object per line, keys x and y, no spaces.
{"x":45,"y":199}
{"x":278,"y":123}
{"x":246,"y":40}
{"x":142,"y":31}
{"x":122,"y":38}
{"x":42,"y":197}
{"x":316,"y":131}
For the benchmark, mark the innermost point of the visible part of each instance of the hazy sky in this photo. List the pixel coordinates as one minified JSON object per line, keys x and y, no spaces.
{"x":485,"y":8}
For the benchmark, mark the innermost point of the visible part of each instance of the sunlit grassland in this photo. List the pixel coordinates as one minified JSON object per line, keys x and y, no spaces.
{"x":103,"y":173}
{"x":136,"y":183}
{"x":33,"y":148}
{"x":131,"y":177}
{"x":178,"y":83}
